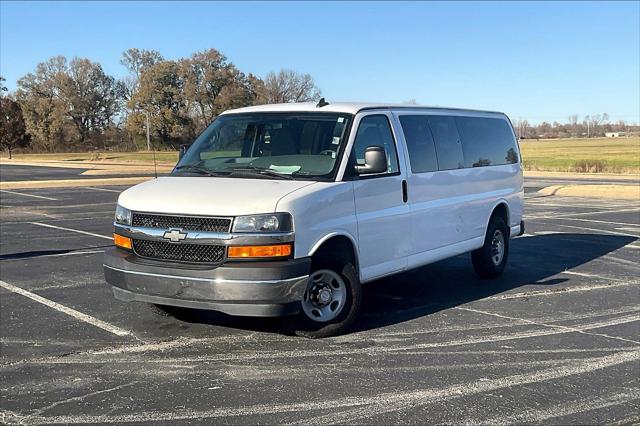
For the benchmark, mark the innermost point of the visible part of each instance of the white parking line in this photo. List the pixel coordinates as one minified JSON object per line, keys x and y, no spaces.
{"x":46,"y":225}
{"x":29,"y":195}
{"x":598,"y":231}
{"x":61,"y":308}
{"x":571,"y":215}
{"x":72,"y":253}
{"x":101,"y":189}
{"x":600,"y":277}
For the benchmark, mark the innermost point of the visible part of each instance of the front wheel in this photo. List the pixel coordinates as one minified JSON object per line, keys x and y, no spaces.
{"x":330,"y":303}
{"x":490,"y":260}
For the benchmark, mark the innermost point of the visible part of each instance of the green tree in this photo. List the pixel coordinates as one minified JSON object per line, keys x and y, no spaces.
{"x":13,"y":131}
{"x":136,"y":61}
{"x":212,"y":84}
{"x":161,"y":95}
{"x":44,"y":113}
{"x":90,"y":97}
{"x":66,"y":103}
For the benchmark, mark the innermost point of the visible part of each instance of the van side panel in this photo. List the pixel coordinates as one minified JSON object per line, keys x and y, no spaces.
{"x":450,"y":209}
{"x":321,"y":211}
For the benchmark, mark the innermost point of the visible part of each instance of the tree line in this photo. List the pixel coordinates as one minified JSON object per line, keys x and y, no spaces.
{"x":74,"y":105}
{"x":590,"y":126}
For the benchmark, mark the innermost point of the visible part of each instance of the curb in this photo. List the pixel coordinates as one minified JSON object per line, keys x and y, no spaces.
{"x":71,"y":183}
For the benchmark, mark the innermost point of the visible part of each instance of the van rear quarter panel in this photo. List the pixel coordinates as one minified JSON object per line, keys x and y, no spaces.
{"x":321,"y":211}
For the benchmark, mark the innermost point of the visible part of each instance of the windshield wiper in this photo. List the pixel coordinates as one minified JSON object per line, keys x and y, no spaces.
{"x":261,"y":171}
{"x":201,"y":170}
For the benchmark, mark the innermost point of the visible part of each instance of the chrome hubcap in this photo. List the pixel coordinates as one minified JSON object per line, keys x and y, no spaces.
{"x":325,"y":296}
{"x":497,"y":247}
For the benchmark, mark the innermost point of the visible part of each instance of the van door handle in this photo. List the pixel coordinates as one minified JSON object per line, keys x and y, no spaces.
{"x":405,"y":195}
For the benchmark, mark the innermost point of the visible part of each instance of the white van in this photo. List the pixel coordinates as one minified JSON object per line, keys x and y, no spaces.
{"x":286,"y":210}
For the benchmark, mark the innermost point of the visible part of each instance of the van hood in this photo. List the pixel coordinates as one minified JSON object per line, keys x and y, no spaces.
{"x":209,"y":196}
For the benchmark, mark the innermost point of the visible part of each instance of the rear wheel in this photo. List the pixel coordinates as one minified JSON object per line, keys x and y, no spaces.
{"x":330,"y":303}
{"x":490,"y":260}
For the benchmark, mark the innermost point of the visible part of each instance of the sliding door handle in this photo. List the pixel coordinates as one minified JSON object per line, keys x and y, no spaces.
{"x":405,"y":194}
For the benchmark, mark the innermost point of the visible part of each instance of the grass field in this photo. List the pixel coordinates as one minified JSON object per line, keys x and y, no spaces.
{"x":597,"y":155}
{"x":117,"y":157}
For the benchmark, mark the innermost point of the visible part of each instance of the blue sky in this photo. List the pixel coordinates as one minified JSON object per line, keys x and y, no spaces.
{"x":540,"y":61}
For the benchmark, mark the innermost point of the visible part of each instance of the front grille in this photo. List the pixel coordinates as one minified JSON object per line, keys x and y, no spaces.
{"x":196,"y":253}
{"x":187,"y":223}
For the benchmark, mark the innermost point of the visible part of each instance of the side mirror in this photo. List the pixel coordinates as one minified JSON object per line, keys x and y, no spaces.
{"x":182,"y":150}
{"x":375,"y":161}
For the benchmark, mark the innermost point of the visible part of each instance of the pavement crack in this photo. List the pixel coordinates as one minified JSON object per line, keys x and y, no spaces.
{"x":81,"y":398}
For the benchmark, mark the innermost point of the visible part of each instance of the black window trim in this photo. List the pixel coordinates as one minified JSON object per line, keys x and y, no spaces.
{"x":350,"y":174}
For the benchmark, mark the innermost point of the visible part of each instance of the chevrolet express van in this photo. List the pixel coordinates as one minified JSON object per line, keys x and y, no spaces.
{"x":287,"y":210}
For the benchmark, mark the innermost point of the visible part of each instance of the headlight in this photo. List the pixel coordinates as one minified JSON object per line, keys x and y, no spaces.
{"x":276,"y":222}
{"x":123,"y":216}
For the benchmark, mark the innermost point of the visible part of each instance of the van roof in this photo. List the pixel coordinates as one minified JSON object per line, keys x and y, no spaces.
{"x":345,"y":107}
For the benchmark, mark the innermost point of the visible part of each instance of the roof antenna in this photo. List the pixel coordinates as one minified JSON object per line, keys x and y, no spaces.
{"x":321,"y":103}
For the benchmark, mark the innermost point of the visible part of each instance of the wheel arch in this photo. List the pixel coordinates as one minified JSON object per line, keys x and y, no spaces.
{"x":336,"y":242}
{"x":500,"y":208}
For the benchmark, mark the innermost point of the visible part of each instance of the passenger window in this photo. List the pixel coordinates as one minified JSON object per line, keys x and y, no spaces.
{"x":422,"y":150}
{"x":486,"y":141}
{"x":448,"y":147}
{"x":374,"y":130}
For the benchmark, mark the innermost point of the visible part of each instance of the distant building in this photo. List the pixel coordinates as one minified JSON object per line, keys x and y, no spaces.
{"x":615,"y":134}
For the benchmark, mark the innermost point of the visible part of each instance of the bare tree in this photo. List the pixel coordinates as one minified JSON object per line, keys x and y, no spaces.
{"x":136,"y":61}
{"x":290,"y":86}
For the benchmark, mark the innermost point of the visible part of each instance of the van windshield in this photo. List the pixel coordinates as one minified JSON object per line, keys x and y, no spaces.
{"x":268,"y":145}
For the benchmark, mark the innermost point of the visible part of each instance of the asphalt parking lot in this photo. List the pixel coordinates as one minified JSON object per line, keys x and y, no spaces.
{"x":555,"y":340}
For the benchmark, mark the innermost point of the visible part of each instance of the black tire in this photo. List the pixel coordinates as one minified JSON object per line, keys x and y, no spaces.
{"x":302,"y":325}
{"x":483,"y":259}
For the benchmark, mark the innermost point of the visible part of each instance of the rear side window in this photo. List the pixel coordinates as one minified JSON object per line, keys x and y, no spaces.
{"x":448,"y":146}
{"x":374,"y":130}
{"x":486,"y":141}
{"x":422,"y":150}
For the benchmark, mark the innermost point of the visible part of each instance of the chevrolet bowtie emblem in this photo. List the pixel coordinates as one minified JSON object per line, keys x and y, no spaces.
{"x":174,"y":235}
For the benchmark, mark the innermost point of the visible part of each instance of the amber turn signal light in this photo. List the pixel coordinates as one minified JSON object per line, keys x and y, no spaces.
{"x":122,"y":242}
{"x":281,"y":250}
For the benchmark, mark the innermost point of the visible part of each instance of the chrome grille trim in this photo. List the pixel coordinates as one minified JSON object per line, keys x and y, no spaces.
{"x":216,"y":238}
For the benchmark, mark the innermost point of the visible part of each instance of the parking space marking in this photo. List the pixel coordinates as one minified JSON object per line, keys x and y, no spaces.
{"x":35,"y":256}
{"x":563,"y":409}
{"x":600,"y":277}
{"x":599,"y":231}
{"x":69,"y":311}
{"x":29,"y":195}
{"x":637,"y":227}
{"x":545,"y":325}
{"x":560,"y":291}
{"x":570,"y":215}
{"x":101,"y":189}
{"x":46,"y":225}
{"x":365,"y":406}
{"x":391,"y":402}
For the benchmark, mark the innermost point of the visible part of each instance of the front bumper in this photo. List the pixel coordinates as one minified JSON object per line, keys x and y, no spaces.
{"x":262,"y":289}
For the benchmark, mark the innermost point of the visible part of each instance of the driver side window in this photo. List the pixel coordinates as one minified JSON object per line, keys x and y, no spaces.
{"x":375,"y":130}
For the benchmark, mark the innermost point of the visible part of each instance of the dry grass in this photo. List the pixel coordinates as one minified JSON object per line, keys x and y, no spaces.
{"x":598,"y":155}
{"x":111,"y":157}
